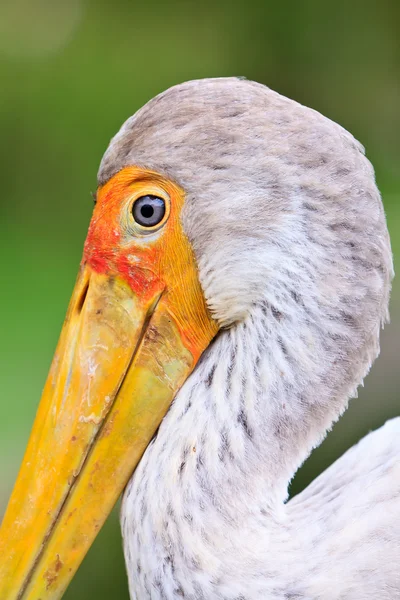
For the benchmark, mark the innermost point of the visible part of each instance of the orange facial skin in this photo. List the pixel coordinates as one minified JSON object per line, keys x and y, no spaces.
{"x":149,"y":262}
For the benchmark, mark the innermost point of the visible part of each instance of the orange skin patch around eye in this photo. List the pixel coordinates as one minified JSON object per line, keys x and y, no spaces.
{"x":158,"y":262}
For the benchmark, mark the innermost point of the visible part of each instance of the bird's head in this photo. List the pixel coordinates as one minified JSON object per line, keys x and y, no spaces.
{"x":217,"y":202}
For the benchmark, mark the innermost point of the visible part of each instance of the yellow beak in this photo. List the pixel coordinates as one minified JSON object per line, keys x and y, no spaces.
{"x":119,"y":363}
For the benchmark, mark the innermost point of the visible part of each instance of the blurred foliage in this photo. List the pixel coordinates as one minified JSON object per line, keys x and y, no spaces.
{"x":70,"y":73}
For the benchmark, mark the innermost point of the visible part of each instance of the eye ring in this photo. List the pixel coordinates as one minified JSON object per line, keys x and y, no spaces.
{"x":149,"y":211}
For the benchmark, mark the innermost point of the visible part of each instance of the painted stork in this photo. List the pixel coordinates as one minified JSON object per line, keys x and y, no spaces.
{"x":234,"y":280}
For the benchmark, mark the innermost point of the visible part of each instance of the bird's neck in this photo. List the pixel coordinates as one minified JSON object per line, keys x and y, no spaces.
{"x":224,"y":454}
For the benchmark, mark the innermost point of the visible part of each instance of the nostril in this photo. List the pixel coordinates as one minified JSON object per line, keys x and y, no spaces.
{"x":82,"y":298}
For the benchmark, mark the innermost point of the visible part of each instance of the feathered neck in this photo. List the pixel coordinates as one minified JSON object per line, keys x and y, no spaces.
{"x":212,"y":484}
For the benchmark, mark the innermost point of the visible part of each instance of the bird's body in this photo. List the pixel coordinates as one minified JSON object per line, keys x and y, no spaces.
{"x":339,"y":539}
{"x":292,"y":255}
{"x":205,"y":515}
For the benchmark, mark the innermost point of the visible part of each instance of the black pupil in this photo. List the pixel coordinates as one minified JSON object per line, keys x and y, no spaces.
{"x":148,"y":211}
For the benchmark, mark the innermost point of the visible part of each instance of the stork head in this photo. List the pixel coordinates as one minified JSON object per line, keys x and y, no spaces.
{"x":217,"y":199}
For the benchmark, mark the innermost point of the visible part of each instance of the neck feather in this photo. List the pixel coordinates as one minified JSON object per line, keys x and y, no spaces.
{"x":236,"y":433}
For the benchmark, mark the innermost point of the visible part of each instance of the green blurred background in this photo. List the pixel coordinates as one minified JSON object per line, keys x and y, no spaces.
{"x":70,"y":73}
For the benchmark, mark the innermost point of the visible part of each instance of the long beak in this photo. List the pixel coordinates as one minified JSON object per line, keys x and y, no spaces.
{"x":118,"y":365}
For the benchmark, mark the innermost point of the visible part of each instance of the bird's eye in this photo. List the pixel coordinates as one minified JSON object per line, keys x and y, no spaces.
{"x":148,"y":211}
